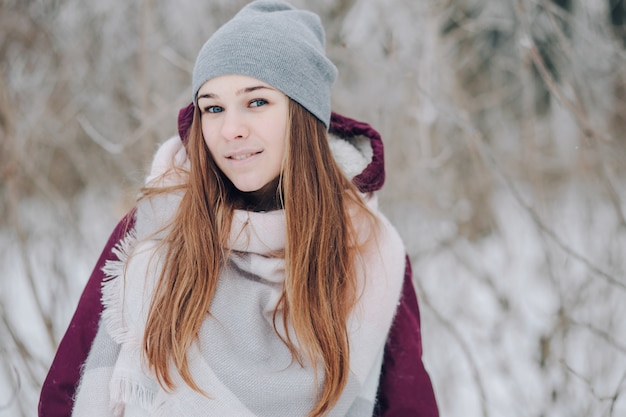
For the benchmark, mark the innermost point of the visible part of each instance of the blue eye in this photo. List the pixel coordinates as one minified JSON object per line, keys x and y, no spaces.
{"x":258,"y":102}
{"x":213,"y":109}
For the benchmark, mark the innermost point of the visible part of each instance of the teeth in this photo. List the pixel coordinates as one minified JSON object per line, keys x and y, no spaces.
{"x":240,"y":157}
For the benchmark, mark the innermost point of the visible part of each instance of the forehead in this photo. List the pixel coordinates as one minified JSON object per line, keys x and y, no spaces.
{"x":231,"y":84}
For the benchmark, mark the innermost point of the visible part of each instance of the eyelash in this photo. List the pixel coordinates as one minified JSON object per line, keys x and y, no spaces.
{"x":210,"y":109}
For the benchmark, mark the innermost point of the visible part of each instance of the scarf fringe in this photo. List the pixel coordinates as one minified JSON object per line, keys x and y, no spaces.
{"x":126,"y":390}
{"x":113,"y":290}
{"x":113,"y":269}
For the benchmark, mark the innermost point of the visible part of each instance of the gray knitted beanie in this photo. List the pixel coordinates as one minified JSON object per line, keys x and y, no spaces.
{"x":275,"y":43}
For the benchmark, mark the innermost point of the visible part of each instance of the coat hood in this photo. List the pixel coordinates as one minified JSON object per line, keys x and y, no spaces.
{"x":357,"y":147}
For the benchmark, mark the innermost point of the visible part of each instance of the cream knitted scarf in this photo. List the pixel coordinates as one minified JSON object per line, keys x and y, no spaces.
{"x":239,"y":361}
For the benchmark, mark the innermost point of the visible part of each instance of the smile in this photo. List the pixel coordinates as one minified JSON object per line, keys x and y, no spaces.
{"x":242,"y":156}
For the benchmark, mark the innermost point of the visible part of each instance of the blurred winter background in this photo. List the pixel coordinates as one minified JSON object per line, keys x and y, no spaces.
{"x":504,"y":124}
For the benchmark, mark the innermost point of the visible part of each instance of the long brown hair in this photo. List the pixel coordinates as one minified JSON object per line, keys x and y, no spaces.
{"x":320,"y":253}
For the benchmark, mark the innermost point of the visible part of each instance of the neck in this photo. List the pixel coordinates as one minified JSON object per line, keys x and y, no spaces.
{"x":263,"y":199}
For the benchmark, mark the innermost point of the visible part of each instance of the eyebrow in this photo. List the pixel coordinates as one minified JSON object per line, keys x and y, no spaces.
{"x":239,"y":92}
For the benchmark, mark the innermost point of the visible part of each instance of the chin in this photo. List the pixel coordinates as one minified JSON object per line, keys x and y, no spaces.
{"x":247,"y":188}
{"x":256,"y":184}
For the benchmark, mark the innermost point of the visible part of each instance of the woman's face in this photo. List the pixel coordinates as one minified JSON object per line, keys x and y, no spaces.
{"x":244,"y":124}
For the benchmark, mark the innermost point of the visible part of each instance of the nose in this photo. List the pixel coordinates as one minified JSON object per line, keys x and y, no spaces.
{"x":234,"y":125}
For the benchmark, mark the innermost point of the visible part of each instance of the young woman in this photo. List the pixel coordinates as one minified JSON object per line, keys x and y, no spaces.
{"x":256,"y":276}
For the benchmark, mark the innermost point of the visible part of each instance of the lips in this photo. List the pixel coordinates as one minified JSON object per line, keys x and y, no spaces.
{"x":242,"y":155}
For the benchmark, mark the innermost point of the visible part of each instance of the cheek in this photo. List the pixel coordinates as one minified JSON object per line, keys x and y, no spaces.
{"x":280,"y":136}
{"x":278,"y":144}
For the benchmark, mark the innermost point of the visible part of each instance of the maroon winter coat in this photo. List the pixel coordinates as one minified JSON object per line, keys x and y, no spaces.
{"x":405,"y":388}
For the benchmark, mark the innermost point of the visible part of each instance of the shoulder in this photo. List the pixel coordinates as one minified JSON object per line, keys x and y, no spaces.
{"x":168,"y":160}
{"x":169,"y":169}
{"x":390,"y":244}
{"x":378,"y":240}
